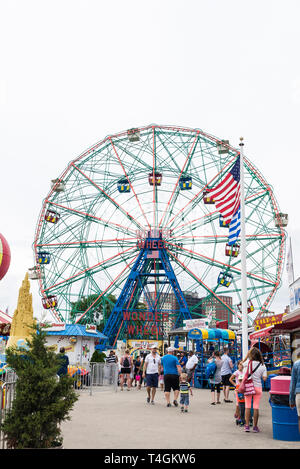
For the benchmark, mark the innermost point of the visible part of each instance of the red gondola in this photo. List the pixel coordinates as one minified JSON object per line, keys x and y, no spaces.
{"x":49,"y":302}
{"x":156,"y":180}
{"x":51,"y":216}
{"x":232,"y":250}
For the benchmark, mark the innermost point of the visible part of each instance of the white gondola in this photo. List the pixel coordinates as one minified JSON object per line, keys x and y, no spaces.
{"x":34,"y":273}
{"x":133,"y":135}
{"x":222,"y":147}
{"x":57,"y":185}
{"x":281,"y":219}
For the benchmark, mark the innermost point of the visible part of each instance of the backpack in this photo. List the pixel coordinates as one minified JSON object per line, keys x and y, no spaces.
{"x":126,"y":362}
{"x":210,"y":370}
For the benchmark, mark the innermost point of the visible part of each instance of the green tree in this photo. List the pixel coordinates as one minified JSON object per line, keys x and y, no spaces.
{"x":42,"y":400}
{"x":101,"y":309}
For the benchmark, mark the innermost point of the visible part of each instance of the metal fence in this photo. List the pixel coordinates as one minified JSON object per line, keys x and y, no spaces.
{"x":96,"y":376}
{"x":7,"y":392}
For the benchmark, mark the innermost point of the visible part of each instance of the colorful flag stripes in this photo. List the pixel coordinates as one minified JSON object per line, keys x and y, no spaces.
{"x":235,"y":227}
{"x":227,"y":193}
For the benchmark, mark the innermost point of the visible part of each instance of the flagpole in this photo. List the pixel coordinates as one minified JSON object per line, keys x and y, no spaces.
{"x":243,"y":257}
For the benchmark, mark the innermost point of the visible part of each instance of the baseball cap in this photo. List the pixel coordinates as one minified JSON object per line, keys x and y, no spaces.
{"x":170,"y":349}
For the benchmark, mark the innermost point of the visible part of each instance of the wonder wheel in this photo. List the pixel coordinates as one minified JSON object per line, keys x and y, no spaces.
{"x":152,"y":184}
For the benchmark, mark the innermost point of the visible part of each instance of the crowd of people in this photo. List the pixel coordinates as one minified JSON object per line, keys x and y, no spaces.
{"x":175,"y":371}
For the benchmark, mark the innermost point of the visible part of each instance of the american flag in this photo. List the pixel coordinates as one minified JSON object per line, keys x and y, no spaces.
{"x":235,"y":227}
{"x":227,"y":193}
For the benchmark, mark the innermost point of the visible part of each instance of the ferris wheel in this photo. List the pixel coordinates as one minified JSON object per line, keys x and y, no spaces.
{"x":149,"y":183}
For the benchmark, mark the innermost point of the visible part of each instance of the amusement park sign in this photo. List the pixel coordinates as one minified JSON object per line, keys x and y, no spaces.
{"x":144,"y":322}
{"x":262,"y":323}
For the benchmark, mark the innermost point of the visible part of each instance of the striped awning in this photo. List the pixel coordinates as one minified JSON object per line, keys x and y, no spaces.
{"x":211,"y":334}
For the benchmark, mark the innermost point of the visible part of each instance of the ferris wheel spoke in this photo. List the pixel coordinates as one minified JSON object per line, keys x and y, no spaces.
{"x":199,"y":194}
{"x":94,"y":269}
{"x":154,"y":195}
{"x":216,"y":263}
{"x":200,"y":282}
{"x":189,"y":155}
{"x":113,"y":201}
{"x":251,"y":256}
{"x":132,"y":188}
{"x":117,"y":278}
{"x":123,"y":242}
{"x":114,"y":226}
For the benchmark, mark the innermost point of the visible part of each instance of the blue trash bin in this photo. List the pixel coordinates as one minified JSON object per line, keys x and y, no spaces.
{"x":285,"y":423}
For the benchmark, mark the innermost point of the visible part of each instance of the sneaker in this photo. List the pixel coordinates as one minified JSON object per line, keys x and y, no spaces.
{"x":246,"y":428}
{"x":175,"y":403}
{"x":185,"y":410}
{"x":182,"y":409}
{"x":255,"y":429}
{"x":152,"y":402}
{"x":169,"y":405}
{"x":148,"y":400}
{"x":212,"y":403}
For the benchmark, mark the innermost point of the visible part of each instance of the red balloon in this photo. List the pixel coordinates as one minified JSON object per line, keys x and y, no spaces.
{"x":4,"y":256}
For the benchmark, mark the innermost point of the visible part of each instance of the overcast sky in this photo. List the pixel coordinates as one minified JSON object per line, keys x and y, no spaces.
{"x":75,"y":71}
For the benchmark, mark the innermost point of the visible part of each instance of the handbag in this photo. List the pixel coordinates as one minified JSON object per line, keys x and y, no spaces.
{"x":247,"y":387}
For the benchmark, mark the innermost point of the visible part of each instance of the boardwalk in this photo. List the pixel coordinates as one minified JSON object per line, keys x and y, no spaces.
{"x":115,"y":420}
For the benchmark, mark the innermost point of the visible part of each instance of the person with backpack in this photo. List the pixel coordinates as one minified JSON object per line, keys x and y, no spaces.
{"x":126,"y":369}
{"x":214,"y":376}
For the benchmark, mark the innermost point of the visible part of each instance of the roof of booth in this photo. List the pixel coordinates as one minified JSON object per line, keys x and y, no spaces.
{"x":77,"y":330}
{"x":204,"y":334}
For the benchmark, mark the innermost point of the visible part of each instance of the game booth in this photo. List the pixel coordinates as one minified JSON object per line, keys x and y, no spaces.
{"x":204,"y":342}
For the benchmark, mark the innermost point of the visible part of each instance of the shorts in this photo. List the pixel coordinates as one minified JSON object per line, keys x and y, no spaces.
{"x":256,"y":398}
{"x":225,"y":380}
{"x":125,"y":371}
{"x":184,"y":399}
{"x":214,"y":387}
{"x":171,"y":382}
{"x":152,"y":380}
{"x":298,"y":404}
{"x":190,"y":373}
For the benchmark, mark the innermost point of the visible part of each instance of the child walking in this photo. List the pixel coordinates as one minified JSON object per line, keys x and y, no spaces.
{"x":184,"y":389}
{"x":235,"y":379}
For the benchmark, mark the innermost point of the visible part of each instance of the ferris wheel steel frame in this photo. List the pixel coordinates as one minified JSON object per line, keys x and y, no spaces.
{"x":89,"y":187}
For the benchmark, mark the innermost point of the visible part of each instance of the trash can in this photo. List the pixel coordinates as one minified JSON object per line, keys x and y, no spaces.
{"x":284,"y":419}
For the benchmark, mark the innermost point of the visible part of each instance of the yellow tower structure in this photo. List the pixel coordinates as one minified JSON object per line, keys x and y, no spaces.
{"x":22,"y":322}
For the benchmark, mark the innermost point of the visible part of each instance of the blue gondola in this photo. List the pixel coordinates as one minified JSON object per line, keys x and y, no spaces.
{"x":123,"y":185}
{"x":225,"y":279}
{"x":43,"y":257}
{"x":185,"y":183}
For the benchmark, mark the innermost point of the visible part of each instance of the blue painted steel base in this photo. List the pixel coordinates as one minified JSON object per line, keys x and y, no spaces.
{"x":152,"y":266}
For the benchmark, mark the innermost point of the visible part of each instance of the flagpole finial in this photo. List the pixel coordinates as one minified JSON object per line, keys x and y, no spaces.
{"x":242,"y":141}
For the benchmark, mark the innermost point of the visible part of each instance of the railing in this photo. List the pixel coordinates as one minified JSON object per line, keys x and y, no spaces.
{"x":7,"y":392}
{"x":98,"y":375}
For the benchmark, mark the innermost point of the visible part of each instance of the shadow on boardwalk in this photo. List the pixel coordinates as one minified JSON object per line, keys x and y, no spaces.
{"x":117,"y":420}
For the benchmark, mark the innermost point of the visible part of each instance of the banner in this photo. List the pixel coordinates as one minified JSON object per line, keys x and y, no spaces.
{"x":260,"y":334}
{"x":295,"y":295}
{"x":267,"y":321}
{"x":290,"y":264}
